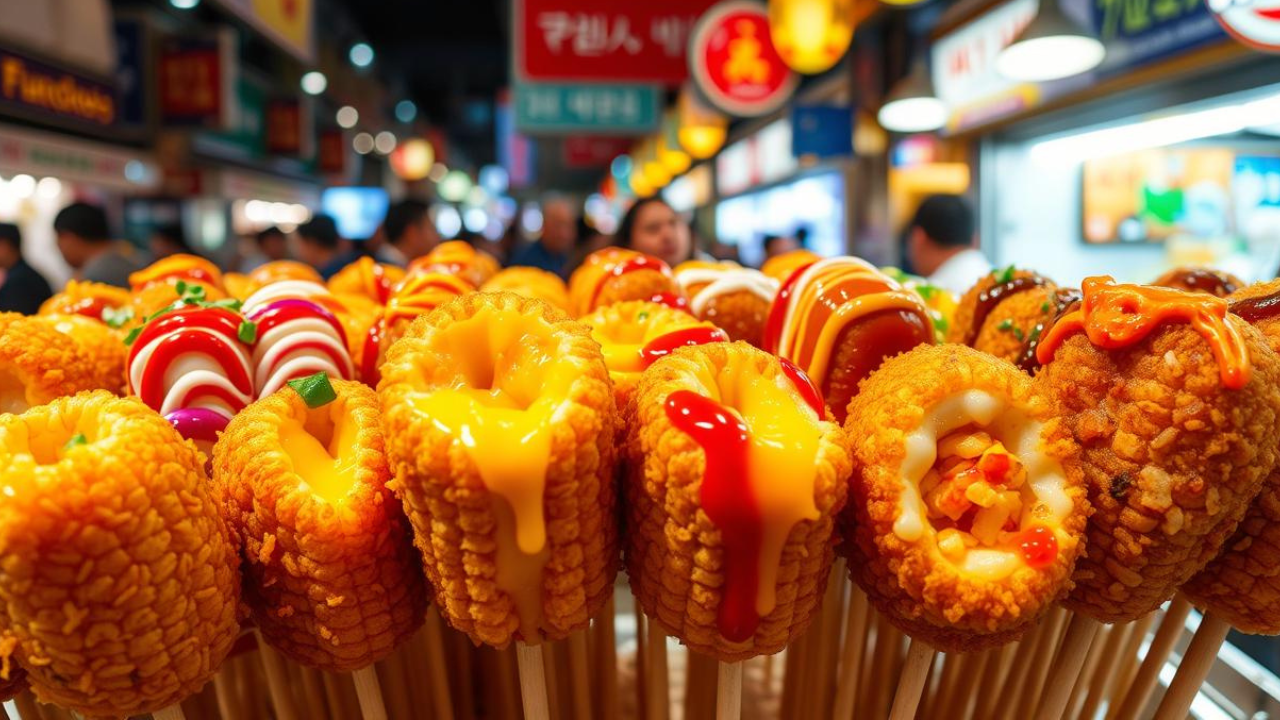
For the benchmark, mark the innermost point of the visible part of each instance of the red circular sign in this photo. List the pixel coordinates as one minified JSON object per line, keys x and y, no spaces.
{"x":1255,"y":23}
{"x":734,"y":63}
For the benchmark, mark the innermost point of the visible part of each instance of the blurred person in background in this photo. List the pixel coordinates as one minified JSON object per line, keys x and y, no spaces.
{"x":653,"y":227}
{"x":552,"y":249}
{"x":84,"y":240}
{"x":409,"y":232}
{"x":590,"y":239}
{"x":270,"y":245}
{"x":942,"y":244}
{"x":775,"y":245}
{"x":320,"y":246}
{"x":168,"y":240}
{"x":22,"y":289}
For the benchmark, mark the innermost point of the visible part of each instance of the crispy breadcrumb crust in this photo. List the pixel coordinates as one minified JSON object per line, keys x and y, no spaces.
{"x":1171,"y":458}
{"x":1242,"y":584}
{"x":160,"y":295}
{"x":532,"y":283}
{"x":452,"y":512}
{"x":334,"y":585}
{"x":49,"y":364}
{"x":119,"y":580}
{"x":674,"y":552}
{"x":103,"y":346}
{"x":917,"y":589}
{"x":82,"y":296}
{"x":1022,"y":309}
{"x":612,"y":323}
{"x":741,"y":314}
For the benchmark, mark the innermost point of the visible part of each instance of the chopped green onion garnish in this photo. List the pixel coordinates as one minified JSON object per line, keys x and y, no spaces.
{"x":231,"y":304}
{"x":1006,"y":325}
{"x":1005,"y":275}
{"x":1017,"y":332}
{"x":644,"y":315}
{"x":927,"y":291}
{"x":316,"y":391}
{"x":132,"y":337}
{"x":117,"y":317}
{"x":77,"y":439}
{"x":1044,"y":307}
{"x":247,"y":332}
{"x":180,"y":287}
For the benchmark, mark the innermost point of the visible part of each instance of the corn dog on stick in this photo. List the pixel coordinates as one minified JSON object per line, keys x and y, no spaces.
{"x":102,"y":345}
{"x":616,"y":275}
{"x":119,"y":581}
{"x":330,"y":574}
{"x":500,"y":424}
{"x":39,"y":364}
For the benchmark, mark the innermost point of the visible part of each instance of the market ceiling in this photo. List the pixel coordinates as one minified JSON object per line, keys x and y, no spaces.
{"x":452,"y":57}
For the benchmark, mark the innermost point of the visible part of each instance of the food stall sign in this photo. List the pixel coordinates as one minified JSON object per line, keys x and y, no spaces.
{"x":287,"y":23}
{"x":734,"y":63}
{"x":556,"y":108}
{"x":40,"y":91}
{"x":1255,"y":23}
{"x":604,"y":40}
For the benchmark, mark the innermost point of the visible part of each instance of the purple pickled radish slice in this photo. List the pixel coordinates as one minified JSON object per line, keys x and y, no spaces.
{"x":291,"y":302}
{"x":198,"y":424}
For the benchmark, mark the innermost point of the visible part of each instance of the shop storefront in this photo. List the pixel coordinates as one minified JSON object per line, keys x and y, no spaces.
{"x":1167,"y":154}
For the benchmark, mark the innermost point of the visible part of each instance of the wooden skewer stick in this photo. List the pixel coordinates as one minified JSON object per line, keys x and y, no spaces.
{"x":911,"y":683}
{"x":370,"y":694}
{"x":729,"y":691}
{"x":26,"y":705}
{"x":659,"y":700}
{"x":855,"y":640}
{"x":580,"y":673}
{"x":1127,"y":663}
{"x":1194,"y":668}
{"x":608,"y":652}
{"x":277,"y":683}
{"x":533,"y":682}
{"x":1067,"y":666}
{"x":173,"y":712}
{"x":1171,"y":626}
{"x":993,"y":677}
{"x":433,"y":639}
{"x":228,"y":705}
{"x":1104,"y":671}
{"x":1038,"y":674}
{"x":1081,"y":689}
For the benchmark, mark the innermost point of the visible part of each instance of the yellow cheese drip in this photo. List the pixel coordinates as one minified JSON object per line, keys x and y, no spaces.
{"x":328,"y":470}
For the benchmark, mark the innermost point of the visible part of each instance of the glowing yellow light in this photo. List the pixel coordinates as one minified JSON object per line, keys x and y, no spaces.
{"x":811,"y":35}
{"x":675,"y":159}
{"x":700,"y":131}
{"x":639,"y":185}
{"x":413,"y":159}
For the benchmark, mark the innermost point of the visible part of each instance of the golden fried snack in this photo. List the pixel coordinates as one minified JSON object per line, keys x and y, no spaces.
{"x":615,"y":275}
{"x":838,"y":319}
{"x":169,"y":270}
{"x":1242,"y":584}
{"x":720,"y":552}
{"x":418,"y":294}
{"x":157,"y":296}
{"x":119,"y":581}
{"x":942,"y":303}
{"x":458,"y":258}
{"x":500,"y":428}
{"x":331,"y":576}
{"x":103,"y":346}
{"x":634,"y":334}
{"x":735,"y":298}
{"x":530,"y":282}
{"x":38,"y":364}
{"x":781,"y":267}
{"x":279,"y":270}
{"x":368,"y":278}
{"x":968,"y":506}
{"x":1207,"y":280}
{"x":238,"y":285}
{"x":90,"y":299}
{"x":1001,"y":311}
{"x":1174,"y":403}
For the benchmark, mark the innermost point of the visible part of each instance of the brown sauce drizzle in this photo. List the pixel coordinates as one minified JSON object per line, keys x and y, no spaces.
{"x":1255,"y":309}
{"x":991,"y":297}
{"x":1201,"y":280}
{"x":1064,"y":300}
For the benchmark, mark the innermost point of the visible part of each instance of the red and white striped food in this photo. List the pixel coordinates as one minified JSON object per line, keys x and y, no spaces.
{"x":192,"y":358}
{"x":297,"y":338}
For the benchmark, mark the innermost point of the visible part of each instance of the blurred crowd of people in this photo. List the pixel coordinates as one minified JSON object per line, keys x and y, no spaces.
{"x":939,"y":244}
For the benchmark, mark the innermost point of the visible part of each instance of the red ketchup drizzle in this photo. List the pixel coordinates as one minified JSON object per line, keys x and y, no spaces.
{"x":217,"y":320}
{"x":729,"y":503}
{"x":778,"y":311}
{"x":671,"y":300}
{"x":1039,"y":547}
{"x":381,"y":283}
{"x":639,"y":262}
{"x":182,"y":342}
{"x":664,"y":345}
{"x":804,"y":385}
{"x":338,"y":358}
{"x":89,"y":307}
{"x":369,"y":372}
{"x":286,"y":311}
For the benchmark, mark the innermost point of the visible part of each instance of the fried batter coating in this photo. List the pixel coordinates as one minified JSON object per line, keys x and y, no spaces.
{"x":1242,"y":584}
{"x":102,"y":345}
{"x":615,"y":275}
{"x":532,"y":283}
{"x":907,"y":575}
{"x":367,"y":278}
{"x":38,"y":364}
{"x":331,"y":575}
{"x":160,"y":295}
{"x":524,"y":354}
{"x":1001,"y":325}
{"x":1171,"y":458}
{"x":119,"y":580}
{"x":780,"y":267}
{"x":676,"y":556}
{"x":86,"y":298}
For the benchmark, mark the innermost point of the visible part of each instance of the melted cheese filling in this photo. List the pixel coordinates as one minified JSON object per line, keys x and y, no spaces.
{"x":13,"y":393}
{"x":322,"y":447}
{"x":1045,"y":486}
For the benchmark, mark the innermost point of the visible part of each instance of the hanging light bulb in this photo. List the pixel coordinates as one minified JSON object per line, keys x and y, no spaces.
{"x":639,"y":185}
{"x":911,"y":105}
{"x":700,"y":131}
{"x":811,"y":35}
{"x":1053,"y":46}
{"x":669,"y":152}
